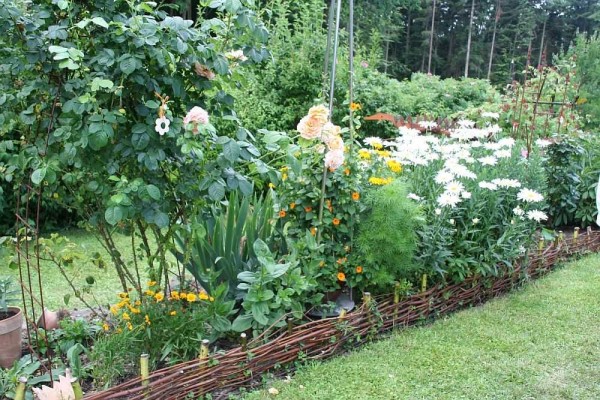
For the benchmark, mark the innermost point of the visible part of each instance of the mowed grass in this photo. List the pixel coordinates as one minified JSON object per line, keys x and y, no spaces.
{"x":541,"y":342}
{"x":107,"y":284}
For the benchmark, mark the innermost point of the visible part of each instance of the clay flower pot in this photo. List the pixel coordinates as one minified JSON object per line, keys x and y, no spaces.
{"x":10,"y":336}
{"x":50,"y":320}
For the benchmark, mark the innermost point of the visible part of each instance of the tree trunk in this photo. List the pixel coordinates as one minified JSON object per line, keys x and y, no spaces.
{"x":408,"y":23}
{"x":469,"y":39}
{"x":431,"y":37}
{"x":489,"y":73}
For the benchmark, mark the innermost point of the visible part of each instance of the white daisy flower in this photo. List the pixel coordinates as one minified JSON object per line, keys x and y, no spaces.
{"x":502,"y":153}
{"x":507,"y":183}
{"x":488,"y":160}
{"x":454,"y":187}
{"x":443,"y":177}
{"x":466,"y":195}
{"x":448,"y":199}
{"x":414,"y":197}
{"x":537,"y":215}
{"x":427,"y":124}
{"x":475,"y":221}
{"x":518,"y":211}
{"x":541,"y":143}
{"x":529,"y":196}
{"x":491,"y":115}
{"x":488,"y":185}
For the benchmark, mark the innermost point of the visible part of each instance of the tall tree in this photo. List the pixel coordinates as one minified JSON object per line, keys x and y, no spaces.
{"x":469,"y":39}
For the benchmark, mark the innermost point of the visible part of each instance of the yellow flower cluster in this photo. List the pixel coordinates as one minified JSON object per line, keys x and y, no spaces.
{"x":394,"y":166}
{"x":364,"y":154}
{"x":383,"y":153}
{"x":190,"y":297}
{"x":380,"y":181}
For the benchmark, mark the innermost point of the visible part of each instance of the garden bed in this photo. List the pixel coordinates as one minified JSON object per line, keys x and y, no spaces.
{"x":325,"y":338}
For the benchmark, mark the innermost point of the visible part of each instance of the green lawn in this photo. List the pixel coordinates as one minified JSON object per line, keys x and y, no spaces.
{"x":107,"y":284}
{"x":542,"y":342}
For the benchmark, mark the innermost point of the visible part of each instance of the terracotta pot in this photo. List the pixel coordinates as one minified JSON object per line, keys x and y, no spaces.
{"x":50,"y":320}
{"x":10,"y":337}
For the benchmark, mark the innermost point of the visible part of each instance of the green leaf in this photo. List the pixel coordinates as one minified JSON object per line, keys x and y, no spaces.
{"x":216,"y":191}
{"x":140,"y":140}
{"x":231,"y":151}
{"x":98,"y":140}
{"x":153,"y":192}
{"x":113,"y":215}
{"x":161,"y":219}
{"x":100,"y":22}
{"x":66,"y":299}
{"x":242,"y":323}
{"x":38,"y":176}
{"x":128,"y":65}
{"x":90,"y":280}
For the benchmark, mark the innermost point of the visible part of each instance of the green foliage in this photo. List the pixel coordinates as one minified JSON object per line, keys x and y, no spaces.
{"x":387,"y":238}
{"x":9,"y":378}
{"x":222,"y":241}
{"x":112,"y":357}
{"x":271,"y":291}
{"x":81,"y":117}
{"x":422,"y":95}
{"x":8,"y":295}
{"x":586,"y":51}
{"x":563,"y":168}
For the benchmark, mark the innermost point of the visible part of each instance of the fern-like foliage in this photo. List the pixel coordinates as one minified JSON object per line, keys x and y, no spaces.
{"x":387,"y":239}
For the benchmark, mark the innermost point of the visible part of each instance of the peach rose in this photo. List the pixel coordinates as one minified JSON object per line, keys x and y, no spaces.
{"x":329,"y":132}
{"x":334,"y":159}
{"x":319,"y":113}
{"x":336,"y":144}
{"x":310,"y":128}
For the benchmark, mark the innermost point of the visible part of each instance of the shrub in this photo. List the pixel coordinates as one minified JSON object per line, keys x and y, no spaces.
{"x":387,"y":237}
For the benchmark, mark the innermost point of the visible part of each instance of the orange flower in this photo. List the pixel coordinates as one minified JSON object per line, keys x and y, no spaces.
{"x":292,"y":206}
{"x":347,"y":171}
{"x":282,"y":214}
{"x":159,"y":297}
{"x":308,"y":209}
{"x":355,"y":196}
{"x":359,"y":270}
{"x":355,"y":106}
{"x":342,"y":260}
{"x":313,"y":231}
{"x":336,"y":221}
{"x":341,"y":277}
{"x":329,"y":206}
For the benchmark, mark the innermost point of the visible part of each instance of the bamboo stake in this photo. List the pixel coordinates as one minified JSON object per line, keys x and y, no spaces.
{"x":204,"y":351}
{"x":20,"y":392}
{"x":541,"y":246}
{"x":575,"y":235}
{"x":424,"y":283}
{"x":145,"y":369}
{"x":244,"y":341}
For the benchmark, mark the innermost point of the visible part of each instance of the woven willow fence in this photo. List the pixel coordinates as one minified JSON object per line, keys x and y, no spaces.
{"x":326,"y":337}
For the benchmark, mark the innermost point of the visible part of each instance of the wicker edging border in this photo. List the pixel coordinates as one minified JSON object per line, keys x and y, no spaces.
{"x":324,"y":338}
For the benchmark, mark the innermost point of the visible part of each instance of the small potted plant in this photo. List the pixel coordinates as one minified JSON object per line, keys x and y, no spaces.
{"x":11,"y":322}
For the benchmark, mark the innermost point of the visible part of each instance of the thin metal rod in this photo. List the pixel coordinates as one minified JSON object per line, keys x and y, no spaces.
{"x":351,"y":73}
{"x":331,"y":90}
{"x":327,"y":48}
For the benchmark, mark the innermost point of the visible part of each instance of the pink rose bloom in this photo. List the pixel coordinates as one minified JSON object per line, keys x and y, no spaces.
{"x":524,"y":153}
{"x":319,"y":113}
{"x":329,"y":132}
{"x":310,"y":128}
{"x":196,"y":115}
{"x":334,"y":159}
{"x":336,"y":144}
{"x":364,"y":64}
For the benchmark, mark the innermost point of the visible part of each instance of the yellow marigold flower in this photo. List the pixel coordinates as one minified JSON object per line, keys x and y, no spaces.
{"x":182,"y":296}
{"x":271,"y":185}
{"x":347,"y":171}
{"x":126,"y":316}
{"x":394,"y":166}
{"x":382,"y":153}
{"x":364,"y":154}
{"x":284,"y":177}
{"x":203,"y":296}
{"x":292,"y":205}
{"x":119,"y":330}
{"x":106,"y":327}
{"x":134,"y":310}
{"x":174,"y":295}
{"x":149,"y":293}
{"x":355,"y":196}
{"x":129,"y":326}
{"x":377,"y":146}
{"x":336,"y":221}
{"x":211,"y":299}
{"x":359,"y":269}
{"x":159,"y":297}
{"x":379,"y":181}
{"x":322,"y":264}
{"x":123,"y":295}
{"x":138,"y":303}
{"x":147,"y":319}
{"x":341,"y":276}
{"x":355,"y":106}
{"x":191,"y":297}
{"x":114,"y":310}
{"x":173,"y":313}
{"x":151,"y":283}
{"x":283,"y":169}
